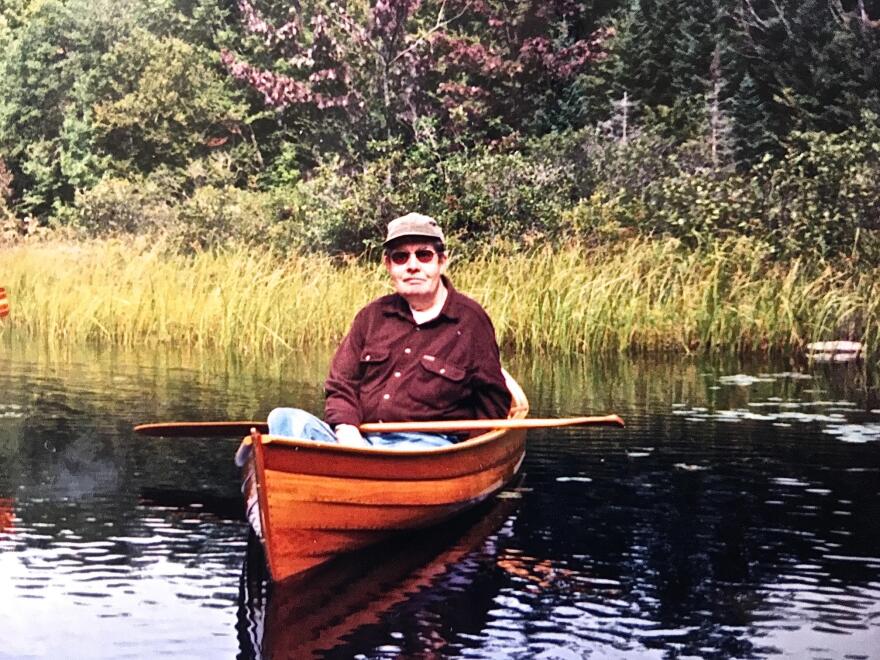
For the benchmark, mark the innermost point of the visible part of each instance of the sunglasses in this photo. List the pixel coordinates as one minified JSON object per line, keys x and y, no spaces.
{"x":400,"y":257}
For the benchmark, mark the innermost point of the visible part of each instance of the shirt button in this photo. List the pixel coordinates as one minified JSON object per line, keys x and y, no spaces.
{"x":407,"y":350}
{"x":397,"y":374}
{"x":386,"y":396}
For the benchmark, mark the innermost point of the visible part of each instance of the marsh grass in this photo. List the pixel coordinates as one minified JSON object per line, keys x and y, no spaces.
{"x":642,"y":295}
{"x":652,"y":296}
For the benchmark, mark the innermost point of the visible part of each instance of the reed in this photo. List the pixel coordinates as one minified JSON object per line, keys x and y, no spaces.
{"x":641,"y":295}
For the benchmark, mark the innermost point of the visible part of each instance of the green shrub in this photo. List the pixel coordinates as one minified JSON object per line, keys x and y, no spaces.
{"x":334,"y":210}
{"x":704,"y":206}
{"x":214,"y":218}
{"x":824,"y":197}
{"x":119,"y":206}
{"x":600,"y":218}
{"x":506,"y":196}
{"x":481,"y":197}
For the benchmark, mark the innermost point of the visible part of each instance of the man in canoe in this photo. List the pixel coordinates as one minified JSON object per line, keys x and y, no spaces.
{"x":425,"y":352}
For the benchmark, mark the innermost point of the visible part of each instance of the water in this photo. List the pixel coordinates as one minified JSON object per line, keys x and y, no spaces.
{"x":737,"y":515}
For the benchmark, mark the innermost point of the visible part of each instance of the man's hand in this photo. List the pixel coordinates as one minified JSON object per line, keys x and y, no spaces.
{"x":350,"y":436}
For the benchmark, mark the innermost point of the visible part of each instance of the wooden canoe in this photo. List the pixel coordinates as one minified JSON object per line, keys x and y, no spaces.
{"x":310,"y":501}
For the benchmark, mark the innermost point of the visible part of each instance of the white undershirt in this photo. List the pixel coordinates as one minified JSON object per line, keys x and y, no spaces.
{"x":432,"y":312}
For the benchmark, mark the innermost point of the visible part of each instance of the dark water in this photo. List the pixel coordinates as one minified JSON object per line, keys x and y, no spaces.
{"x":736,"y":516}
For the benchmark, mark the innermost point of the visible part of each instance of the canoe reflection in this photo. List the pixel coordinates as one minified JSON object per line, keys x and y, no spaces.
{"x":314,"y":612}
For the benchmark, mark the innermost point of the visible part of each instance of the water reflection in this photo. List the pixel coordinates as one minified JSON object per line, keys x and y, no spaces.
{"x":737,"y":515}
{"x":715,"y":530}
{"x":339,"y":607}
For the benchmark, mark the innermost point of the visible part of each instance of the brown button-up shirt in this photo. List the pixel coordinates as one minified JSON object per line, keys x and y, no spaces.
{"x":389,"y":369}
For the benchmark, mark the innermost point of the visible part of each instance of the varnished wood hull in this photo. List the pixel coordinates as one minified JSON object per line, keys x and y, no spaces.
{"x":311,"y":501}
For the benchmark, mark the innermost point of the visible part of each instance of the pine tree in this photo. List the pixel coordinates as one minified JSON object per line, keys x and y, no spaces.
{"x":820,"y":59}
{"x":667,"y":53}
{"x":753,"y":127}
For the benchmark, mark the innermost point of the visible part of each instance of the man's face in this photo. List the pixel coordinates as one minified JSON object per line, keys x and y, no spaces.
{"x":415,"y":268}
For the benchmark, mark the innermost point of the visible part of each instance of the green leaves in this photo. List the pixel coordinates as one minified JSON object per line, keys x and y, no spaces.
{"x":167,"y":105}
{"x":97,"y":86}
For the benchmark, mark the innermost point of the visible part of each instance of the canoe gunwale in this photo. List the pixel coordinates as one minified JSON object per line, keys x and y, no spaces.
{"x":313,"y":445}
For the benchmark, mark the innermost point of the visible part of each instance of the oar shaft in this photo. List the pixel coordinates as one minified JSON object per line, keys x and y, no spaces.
{"x":489,"y":424}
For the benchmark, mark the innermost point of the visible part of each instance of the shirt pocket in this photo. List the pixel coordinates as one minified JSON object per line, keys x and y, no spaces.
{"x":439,"y":382}
{"x":373,"y":364}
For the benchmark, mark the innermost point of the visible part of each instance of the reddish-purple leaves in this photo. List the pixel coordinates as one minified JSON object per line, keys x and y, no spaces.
{"x":404,"y":59}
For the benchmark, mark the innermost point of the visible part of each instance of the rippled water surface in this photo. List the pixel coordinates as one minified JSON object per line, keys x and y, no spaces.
{"x":737,"y":515}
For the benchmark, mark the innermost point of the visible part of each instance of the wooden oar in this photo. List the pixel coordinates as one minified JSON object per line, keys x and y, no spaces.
{"x":455,"y":426}
{"x":232,"y":429}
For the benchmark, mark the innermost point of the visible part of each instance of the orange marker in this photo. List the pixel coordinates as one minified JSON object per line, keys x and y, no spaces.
{"x":7,"y":514}
{"x":4,"y":303}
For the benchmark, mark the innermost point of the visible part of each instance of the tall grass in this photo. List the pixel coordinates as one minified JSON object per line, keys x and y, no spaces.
{"x":128,"y":294}
{"x":652,"y":296}
{"x":642,"y":295}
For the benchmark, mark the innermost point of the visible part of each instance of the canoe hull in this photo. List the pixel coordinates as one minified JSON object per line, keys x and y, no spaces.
{"x":311,"y":501}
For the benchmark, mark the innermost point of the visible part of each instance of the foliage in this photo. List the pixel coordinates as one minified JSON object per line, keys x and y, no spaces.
{"x":69,"y":61}
{"x":779,"y":65}
{"x":337,"y":211}
{"x":210,"y":218}
{"x":35,"y":74}
{"x":517,"y":123}
{"x":821,"y":202}
{"x":821,"y":199}
{"x":505,"y":196}
{"x":213,"y":218}
{"x":120,"y":206}
{"x":700,"y":207}
{"x":481,"y":196}
{"x":164,"y":103}
{"x":6,"y":216}
{"x":826,"y":198}
{"x":819,"y":58}
{"x":480,"y":68}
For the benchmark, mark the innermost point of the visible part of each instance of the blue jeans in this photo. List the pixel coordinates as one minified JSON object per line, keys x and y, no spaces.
{"x":297,"y":423}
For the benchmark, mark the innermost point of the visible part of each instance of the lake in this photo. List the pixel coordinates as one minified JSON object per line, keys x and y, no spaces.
{"x":737,"y":516}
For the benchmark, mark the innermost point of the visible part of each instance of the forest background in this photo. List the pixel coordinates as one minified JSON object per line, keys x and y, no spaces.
{"x":736,"y":141}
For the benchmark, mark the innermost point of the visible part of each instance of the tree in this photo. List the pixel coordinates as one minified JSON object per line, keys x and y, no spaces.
{"x":820,"y":58}
{"x":481,"y":68}
{"x":673,"y":55}
{"x":37,"y":71}
{"x":15,"y":13}
{"x":753,"y":131}
{"x":163,"y":105}
{"x":70,"y":62}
